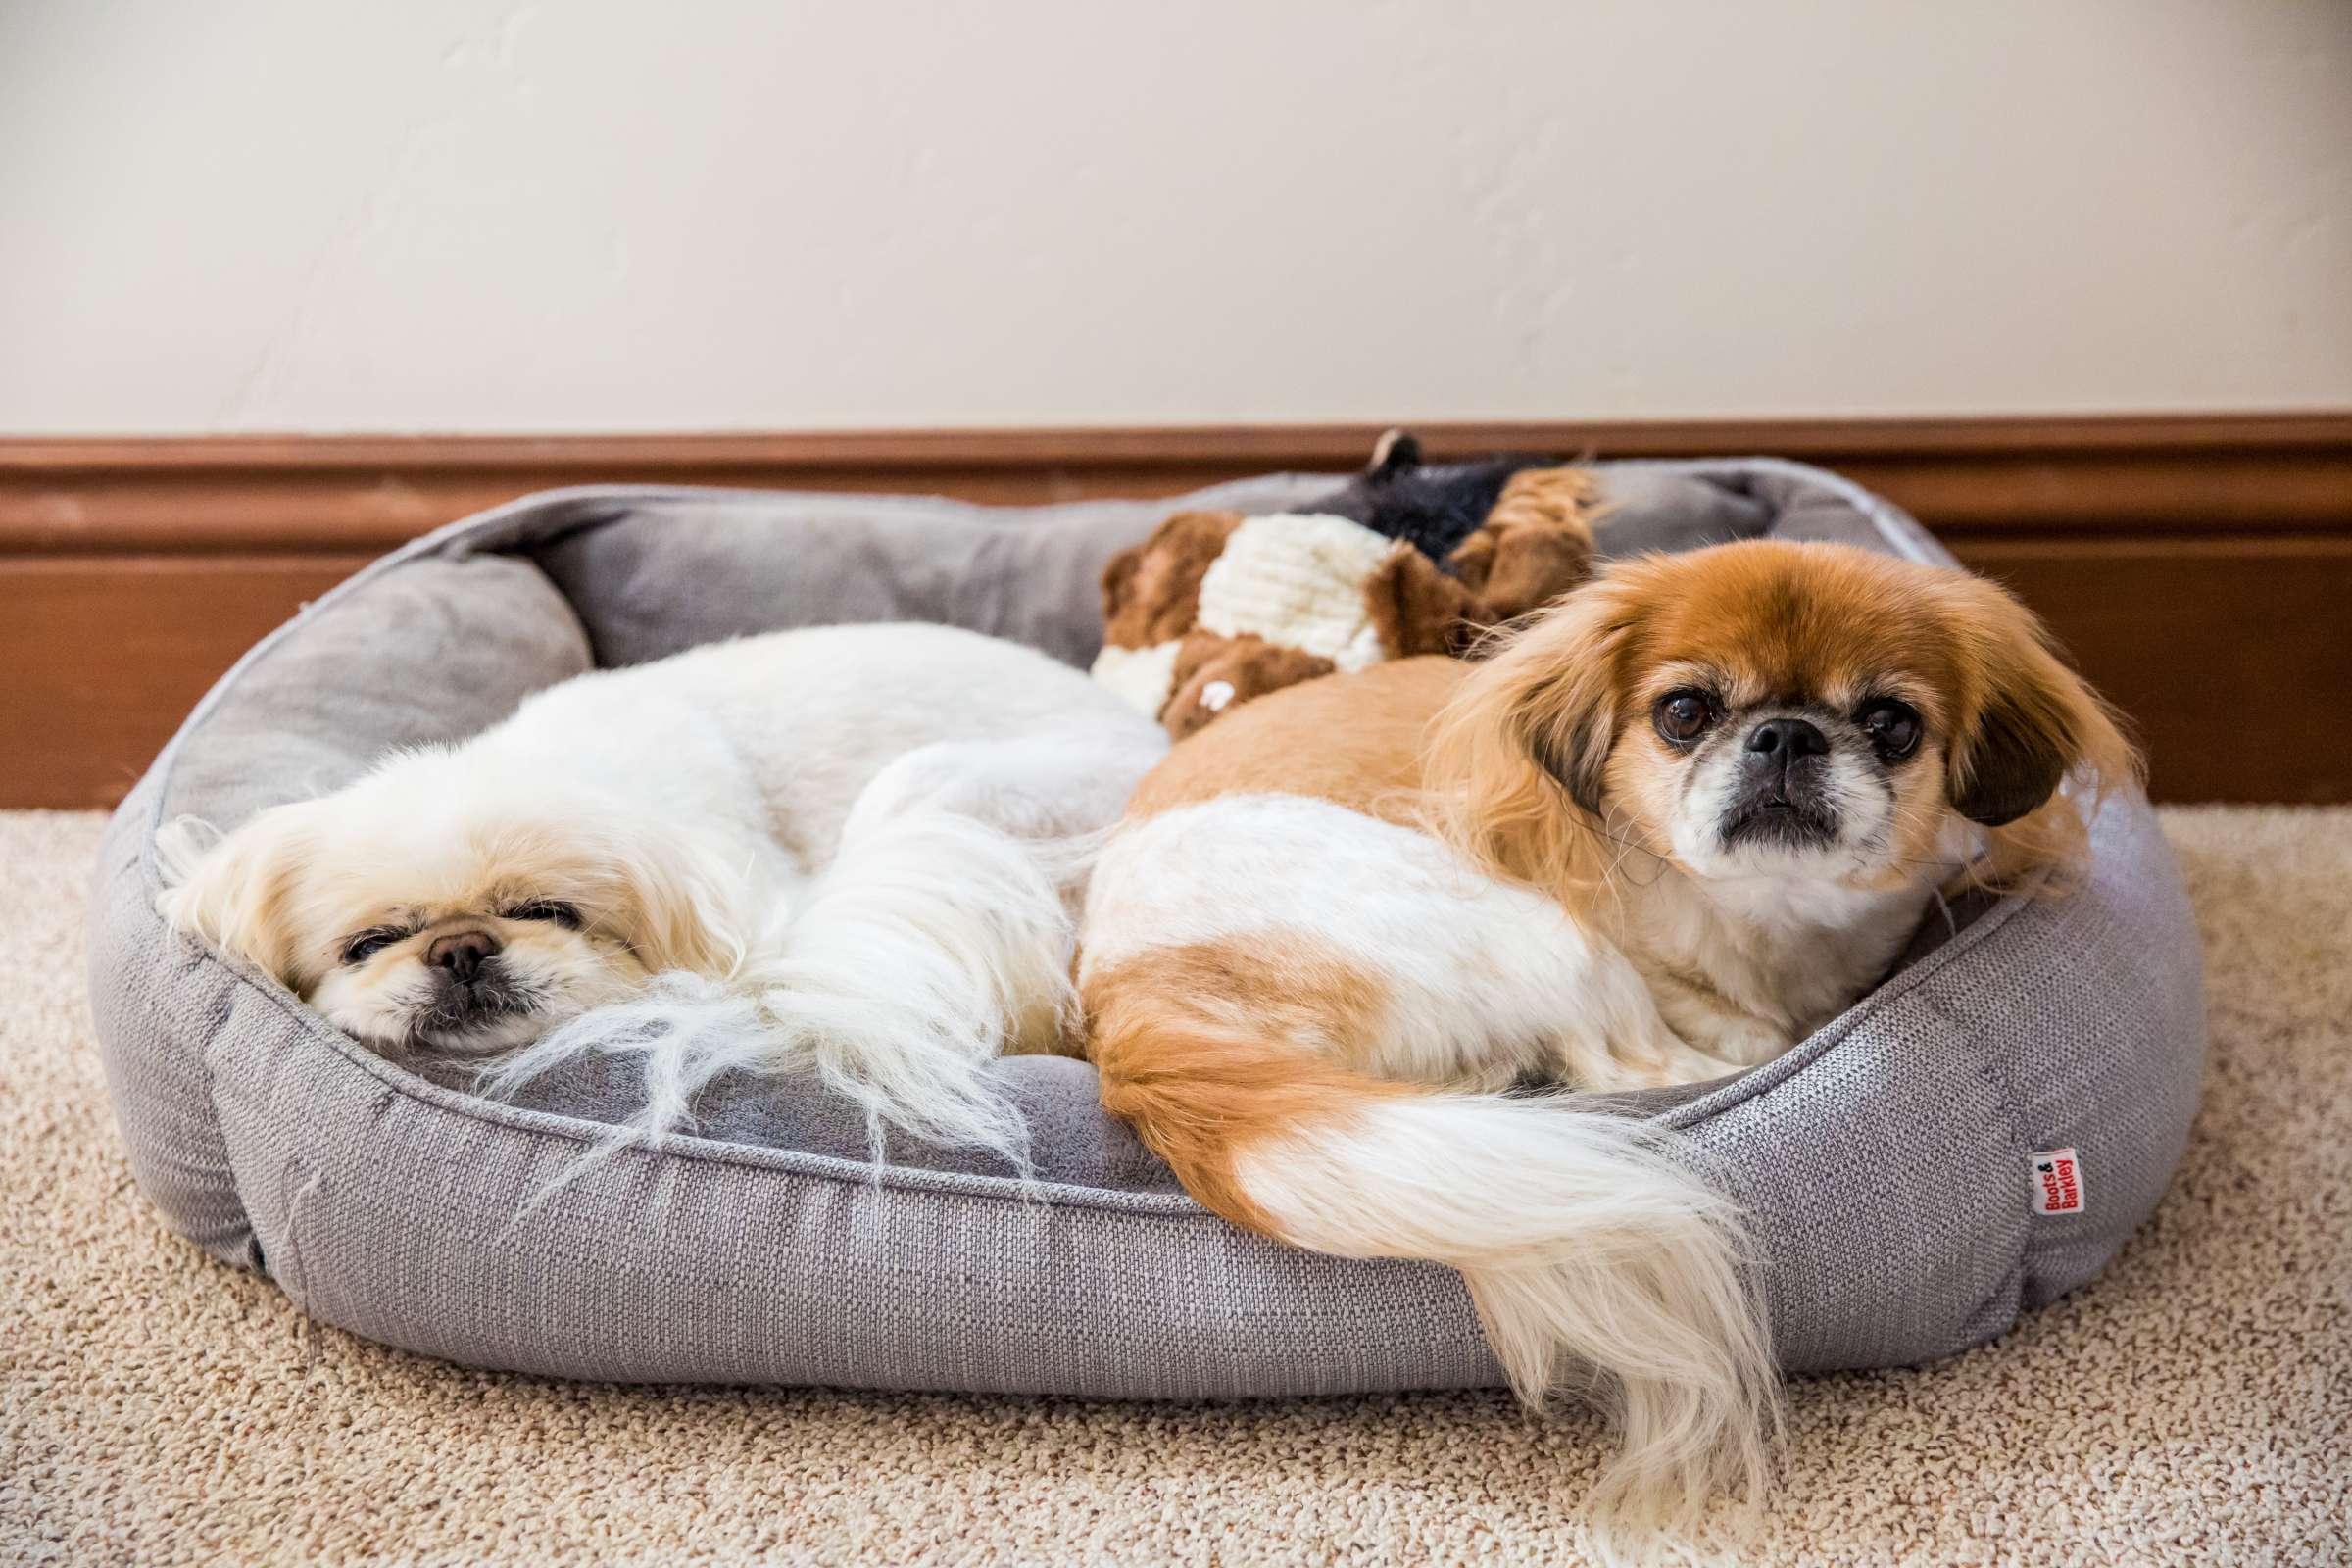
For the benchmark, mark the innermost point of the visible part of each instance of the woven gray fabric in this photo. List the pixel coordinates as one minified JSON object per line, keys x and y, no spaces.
{"x":1886,"y":1160}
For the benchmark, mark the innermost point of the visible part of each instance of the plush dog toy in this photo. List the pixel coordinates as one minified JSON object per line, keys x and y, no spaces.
{"x":1407,"y":558}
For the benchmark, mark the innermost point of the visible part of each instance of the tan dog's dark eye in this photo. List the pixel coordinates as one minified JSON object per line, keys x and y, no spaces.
{"x":1894,"y":727}
{"x":1682,"y":716}
{"x":555,"y":909}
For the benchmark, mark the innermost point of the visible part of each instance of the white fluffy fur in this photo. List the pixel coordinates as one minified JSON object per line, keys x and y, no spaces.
{"x":863,"y":834}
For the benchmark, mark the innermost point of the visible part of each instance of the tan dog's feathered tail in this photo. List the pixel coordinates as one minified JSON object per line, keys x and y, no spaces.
{"x":1597,"y":1263}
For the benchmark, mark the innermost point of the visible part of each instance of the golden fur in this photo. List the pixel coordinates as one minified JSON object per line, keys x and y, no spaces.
{"x":1197,"y":1047}
{"x":1498,"y":750}
{"x":1355,"y":740}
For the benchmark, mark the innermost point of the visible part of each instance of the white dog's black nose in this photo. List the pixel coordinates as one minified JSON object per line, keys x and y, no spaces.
{"x":461,"y":953}
{"x":1785,"y":740}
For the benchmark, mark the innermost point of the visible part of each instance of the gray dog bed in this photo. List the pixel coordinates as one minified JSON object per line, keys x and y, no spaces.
{"x":1888,"y":1161}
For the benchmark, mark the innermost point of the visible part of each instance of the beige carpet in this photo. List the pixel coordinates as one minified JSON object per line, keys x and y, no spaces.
{"x":2195,"y":1406}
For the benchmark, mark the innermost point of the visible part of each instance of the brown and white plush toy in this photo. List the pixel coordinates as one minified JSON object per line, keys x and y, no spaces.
{"x":1215,"y":608}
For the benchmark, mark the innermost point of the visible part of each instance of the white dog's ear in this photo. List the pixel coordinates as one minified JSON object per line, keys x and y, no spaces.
{"x":677,"y":903}
{"x":235,"y":893}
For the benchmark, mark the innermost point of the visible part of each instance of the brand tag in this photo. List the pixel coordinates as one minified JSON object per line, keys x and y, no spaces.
{"x":2057,"y":1182}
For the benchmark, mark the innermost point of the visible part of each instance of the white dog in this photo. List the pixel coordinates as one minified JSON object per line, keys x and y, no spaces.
{"x":850,"y":828}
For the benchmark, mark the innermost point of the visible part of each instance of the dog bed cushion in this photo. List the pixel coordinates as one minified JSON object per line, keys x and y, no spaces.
{"x":1889,"y":1162}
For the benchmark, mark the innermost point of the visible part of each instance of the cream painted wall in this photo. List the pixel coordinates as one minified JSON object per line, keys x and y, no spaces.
{"x":233,"y":215}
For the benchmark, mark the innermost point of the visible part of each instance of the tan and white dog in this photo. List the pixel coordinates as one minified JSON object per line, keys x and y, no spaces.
{"x":1345,"y":937}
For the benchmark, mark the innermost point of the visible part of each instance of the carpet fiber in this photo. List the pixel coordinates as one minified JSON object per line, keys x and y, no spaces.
{"x":2193,"y":1405}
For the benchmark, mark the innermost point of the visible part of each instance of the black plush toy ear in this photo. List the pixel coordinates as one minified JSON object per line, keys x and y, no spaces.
{"x":1394,"y":454}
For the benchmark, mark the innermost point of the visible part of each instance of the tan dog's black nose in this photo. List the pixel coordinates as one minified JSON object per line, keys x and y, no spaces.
{"x":1789,"y":739}
{"x":460,"y":952}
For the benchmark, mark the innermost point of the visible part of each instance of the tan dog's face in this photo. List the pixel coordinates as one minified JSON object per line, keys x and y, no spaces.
{"x":428,"y":908}
{"x":1804,"y":712}
{"x":1791,"y":718}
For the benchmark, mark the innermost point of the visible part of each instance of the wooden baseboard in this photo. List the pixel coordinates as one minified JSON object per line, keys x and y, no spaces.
{"x":2199,"y":566}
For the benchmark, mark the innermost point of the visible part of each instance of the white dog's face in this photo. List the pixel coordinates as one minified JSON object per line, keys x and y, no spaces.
{"x":428,"y":907}
{"x":476,"y":963}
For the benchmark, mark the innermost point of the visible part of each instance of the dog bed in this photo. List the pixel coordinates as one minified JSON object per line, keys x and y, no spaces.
{"x":1972,"y":1139}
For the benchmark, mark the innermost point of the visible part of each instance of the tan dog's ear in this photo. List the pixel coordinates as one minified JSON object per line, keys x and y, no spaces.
{"x":2034,"y":721}
{"x":1566,"y":691}
{"x":1417,"y":609}
{"x":1216,"y":674}
{"x":1535,"y":545}
{"x":1526,"y":741}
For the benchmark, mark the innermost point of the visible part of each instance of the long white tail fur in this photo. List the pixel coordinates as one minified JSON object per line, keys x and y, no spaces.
{"x":1598,"y":1262}
{"x":1587,"y":1250}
